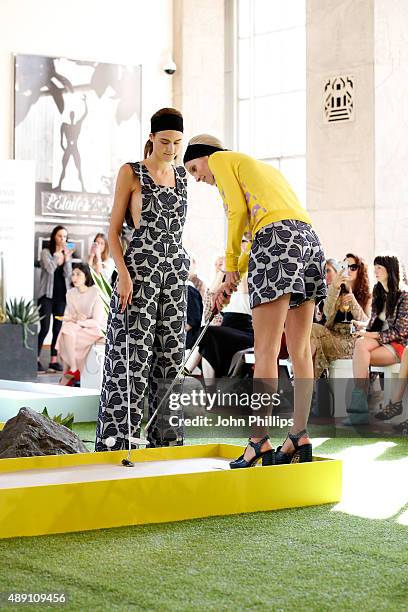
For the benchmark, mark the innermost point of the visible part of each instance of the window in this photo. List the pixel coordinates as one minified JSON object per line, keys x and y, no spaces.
{"x":271,"y":85}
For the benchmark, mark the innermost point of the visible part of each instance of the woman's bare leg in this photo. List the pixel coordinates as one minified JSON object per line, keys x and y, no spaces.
{"x":207,"y":369}
{"x":193,"y":359}
{"x":268,"y":321}
{"x":368,"y":351}
{"x":399,"y":389}
{"x":298,"y":328}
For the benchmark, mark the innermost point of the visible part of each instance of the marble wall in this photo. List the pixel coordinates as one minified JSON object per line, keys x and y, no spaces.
{"x":198,"y":91}
{"x":357,"y":171}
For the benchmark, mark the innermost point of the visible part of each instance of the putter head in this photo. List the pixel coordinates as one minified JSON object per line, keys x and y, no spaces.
{"x":127,"y":463}
{"x":139,"y":441}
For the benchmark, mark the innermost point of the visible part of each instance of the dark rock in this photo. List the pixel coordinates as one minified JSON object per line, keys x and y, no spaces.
{"x":30,"y":434}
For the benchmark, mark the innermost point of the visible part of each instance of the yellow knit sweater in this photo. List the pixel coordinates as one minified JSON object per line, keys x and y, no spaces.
{"x":255,"y":194}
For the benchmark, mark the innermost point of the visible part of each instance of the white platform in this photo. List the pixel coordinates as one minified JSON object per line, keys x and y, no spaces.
{"x":58,"y":399}
{"x":92,"y":473}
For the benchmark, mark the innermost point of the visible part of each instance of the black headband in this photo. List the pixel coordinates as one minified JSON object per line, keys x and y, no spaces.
{"x":166,"y":122}
{"x":199,"y":150}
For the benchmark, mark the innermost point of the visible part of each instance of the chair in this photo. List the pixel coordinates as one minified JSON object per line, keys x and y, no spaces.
{"x":390,"y":373}
{"x":340,"y":375}
{"x":92,"y":374}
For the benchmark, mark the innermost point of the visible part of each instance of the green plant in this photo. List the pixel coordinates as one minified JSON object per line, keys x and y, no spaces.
{"x":67,"y":421}
{"x":104,"y":288}
{"x":25,"y":313}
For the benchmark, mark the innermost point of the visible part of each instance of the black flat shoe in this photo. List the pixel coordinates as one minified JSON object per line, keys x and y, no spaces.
{"x":55,"y":367}
{"x":301,"y":454}
{"x":268,"y":457}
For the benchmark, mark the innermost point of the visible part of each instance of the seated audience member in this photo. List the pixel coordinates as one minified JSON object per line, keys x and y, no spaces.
{"x":99,"y":259}
{"x":348,"y":299}
{"x":383,"y":342}
{"x":394,"y":407}
{"x":83,"y":323}
{"x":194,"y":308}
{"x":209,"y":292}
{"x":194,"y":359}
{"x":235,"y":333}
{"x":330,"y":268}
{"x":198,"y":283}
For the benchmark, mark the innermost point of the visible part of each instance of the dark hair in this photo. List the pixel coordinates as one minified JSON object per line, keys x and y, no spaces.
{"x":380,"y":296}
{"x":361,"y":288}
{"x":86,"y":270}
{"x":54,"y":232}
{"x":148,"y":149}
{"x":105,"y":252}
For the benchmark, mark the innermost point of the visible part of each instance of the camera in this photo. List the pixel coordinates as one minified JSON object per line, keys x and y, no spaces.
{"x":341,"y":266}
{"x":170,"y":67}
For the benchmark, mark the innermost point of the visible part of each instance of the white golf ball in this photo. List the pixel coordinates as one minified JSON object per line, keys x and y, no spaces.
{"x":110,"y":442}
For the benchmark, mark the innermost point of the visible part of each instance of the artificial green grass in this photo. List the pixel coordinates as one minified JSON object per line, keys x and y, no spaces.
{"x":311,"y":559}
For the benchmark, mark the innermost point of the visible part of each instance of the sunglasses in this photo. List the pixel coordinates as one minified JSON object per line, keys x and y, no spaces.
{"x":353,"y":267}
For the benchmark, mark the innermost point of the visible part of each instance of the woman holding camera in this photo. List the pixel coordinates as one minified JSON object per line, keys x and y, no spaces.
{"x":99,"y":259}
{"x":55,"y":280}
{"x":394,"y":407}
{"x":348,"y":298}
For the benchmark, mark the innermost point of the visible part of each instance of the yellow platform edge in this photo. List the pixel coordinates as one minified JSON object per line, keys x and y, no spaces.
{"x":50,"y":509}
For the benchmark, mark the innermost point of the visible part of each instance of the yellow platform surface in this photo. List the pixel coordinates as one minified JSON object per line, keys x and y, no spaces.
{"x":64,"y":493}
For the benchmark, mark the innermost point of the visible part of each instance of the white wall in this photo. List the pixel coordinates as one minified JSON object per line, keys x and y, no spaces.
{"x":125,"y":31}
{"x":357,"y":171}
{"x":391,"y":126}
{"x":128,"y":32}
{"x":199,"y":94}
{"x":17,"y":189}
{"x":340,"y":156}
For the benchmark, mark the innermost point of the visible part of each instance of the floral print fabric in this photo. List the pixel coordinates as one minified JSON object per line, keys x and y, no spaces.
{"x":286,"y":257}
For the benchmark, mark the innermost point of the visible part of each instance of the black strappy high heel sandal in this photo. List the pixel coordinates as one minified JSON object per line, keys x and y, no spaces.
{"x":301,"y":454}
{"x":391,"y":410}
{"x":268,"y":457}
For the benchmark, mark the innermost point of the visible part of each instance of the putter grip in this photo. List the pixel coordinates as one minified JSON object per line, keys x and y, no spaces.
{"x":215,"y":310}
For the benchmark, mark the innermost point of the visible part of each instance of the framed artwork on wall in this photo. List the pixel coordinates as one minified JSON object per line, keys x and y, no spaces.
{"x":79,"y":121}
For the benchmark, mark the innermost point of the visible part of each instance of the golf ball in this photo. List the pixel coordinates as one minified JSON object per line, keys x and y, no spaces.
{"x":110,"y":442}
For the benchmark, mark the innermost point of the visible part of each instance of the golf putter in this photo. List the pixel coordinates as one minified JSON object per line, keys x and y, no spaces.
{"x":143,"y":441}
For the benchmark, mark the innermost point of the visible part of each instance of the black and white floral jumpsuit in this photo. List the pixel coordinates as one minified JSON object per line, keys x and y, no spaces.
{"x":158,"y":266}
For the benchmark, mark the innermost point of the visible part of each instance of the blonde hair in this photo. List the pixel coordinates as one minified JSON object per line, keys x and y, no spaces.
{"x":206,"y":139}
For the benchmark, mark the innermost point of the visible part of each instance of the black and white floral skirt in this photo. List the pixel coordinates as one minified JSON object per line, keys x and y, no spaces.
{"x":286,"y":257}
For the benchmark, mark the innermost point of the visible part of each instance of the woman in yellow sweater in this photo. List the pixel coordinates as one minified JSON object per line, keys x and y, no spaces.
{"x":285,"y":276}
